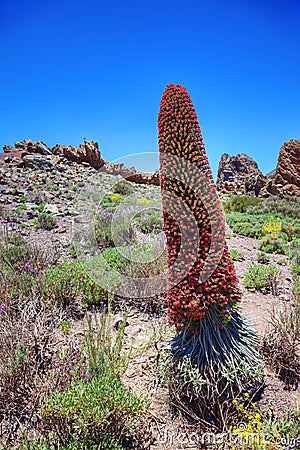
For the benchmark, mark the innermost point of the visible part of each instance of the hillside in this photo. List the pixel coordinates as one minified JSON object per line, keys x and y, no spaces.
{"x":60,"y":209}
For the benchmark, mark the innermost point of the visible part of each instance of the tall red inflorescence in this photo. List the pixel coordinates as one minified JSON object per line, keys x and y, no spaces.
{"x":188,"y":297}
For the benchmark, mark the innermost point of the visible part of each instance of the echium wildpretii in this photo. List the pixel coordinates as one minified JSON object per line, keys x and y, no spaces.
{"x":189,"y":299}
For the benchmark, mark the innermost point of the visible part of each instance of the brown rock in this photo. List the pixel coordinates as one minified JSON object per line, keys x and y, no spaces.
{"x":8,"y":149}
{"x":87,"y":152}
{"x":145,"y":178}
{"x":286,"y":180}
{"x":239,"y":175}
{"x":118,"y":169}
{"x":28,"y":147}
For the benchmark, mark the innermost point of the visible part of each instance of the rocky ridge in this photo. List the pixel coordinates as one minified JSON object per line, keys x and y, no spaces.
{"x":38,"y":155}
{"x":240,"y":175}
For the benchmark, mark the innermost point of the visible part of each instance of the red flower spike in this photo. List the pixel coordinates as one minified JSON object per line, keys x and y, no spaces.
{"x":180,"y":135}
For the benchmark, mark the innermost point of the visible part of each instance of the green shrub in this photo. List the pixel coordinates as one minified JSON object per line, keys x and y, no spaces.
{"x":149,"y":220}
{"x":98,"y":409}
{"x":244,"y":225}
{"x":114,"y":258}
{"x":69,"y":282}
{"x":51,"y":442}
{"x":235,"y":254}
{"x":92,"y":408}
{"x":296,"y":290}
{"x":111,"y":200}
{"x":46,"y":221}
{"x":262,"y":258}
{"x":289,"y":208}
{"x":270,"y":245}
{"x":240,"y":204}
{"x":259,"y":276}
{"x":103,"y":229}
{"x":124,"y":188}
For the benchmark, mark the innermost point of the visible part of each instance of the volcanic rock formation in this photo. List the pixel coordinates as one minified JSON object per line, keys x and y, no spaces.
{"x":239,"y":175}
{"x":286,"y":179}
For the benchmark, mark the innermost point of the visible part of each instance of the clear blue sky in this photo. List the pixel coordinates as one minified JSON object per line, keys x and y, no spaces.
{"x":95,"y":69}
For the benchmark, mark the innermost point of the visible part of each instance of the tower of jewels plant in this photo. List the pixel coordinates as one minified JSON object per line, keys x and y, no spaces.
{"x":202,"y":302}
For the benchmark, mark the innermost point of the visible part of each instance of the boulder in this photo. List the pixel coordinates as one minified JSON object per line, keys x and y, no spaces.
{"x":29,"y":147}
{"x":239,"y":175}
{"x":145,"y":178}
{"x":87,"y":152}
{"x":286,"y":181}
{"x":37,"y":162}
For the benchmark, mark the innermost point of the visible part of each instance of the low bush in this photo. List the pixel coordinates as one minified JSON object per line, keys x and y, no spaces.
{"x":244,"y":225}
{"x":262,"y":258}
{"x":46,"y":221}
{"x":289,"y":208}
{"x":236,"y":255}
{"x":148,"y":221}
{"x":240,"y":204}
{"x":69,"y":284}
{"x":98,"y":409}
{"x":92,"y":409}
{"x":270,"y":245}
{"x":30,"y":366}
{"x":259,"y":276}
{"x":103,"y":229}
{"x":281,"y":345}
{"x":124,"y":188}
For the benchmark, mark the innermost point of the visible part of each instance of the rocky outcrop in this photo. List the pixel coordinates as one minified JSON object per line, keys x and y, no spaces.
{"x":27,"y":146}
{"x":286,"y":180}
{"x":87,"y":152}
{"x":37,"y":161}
{"x":145,"y":178}
{"x":240,"y":175}
{"x":131,"y":174}
{"x":236,"y":168}
{"x":33,"y":155}
{"x":118,"y":169}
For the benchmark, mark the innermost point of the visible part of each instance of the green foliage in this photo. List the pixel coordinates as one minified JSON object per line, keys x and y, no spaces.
{"x":288,"y":427}
{"x":281,"y":345}
{"x":148,"y":221}
{"x":65,"y":325}
{"x":46,"y":221}
{"x":235,"y":254}
{"x":272,"y":226}
{"x":259,"y":276}
{"x":19,"y":359}
{"x":104,"y":347}
{"x":257,"y":432}
{"x":262,"y":258}
{"x":51,"y":442}
{"x":270,"y":245}
{"x":92,"y":407}
{"x":283,"y":207}
{"x":124,"y":188}
{"x":240,"y":204}
{"x":245,"y":225}
{"x":70,"y":282}
{"x":252,"y":225}
{"x":114,"y":258}
{"x":99,"y":409}
{"x":294,"y":254}
{"x":111,"y":200}
{"x":103,"y":229}
{"x":144,"y":201}
{"x":296,"y":289}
